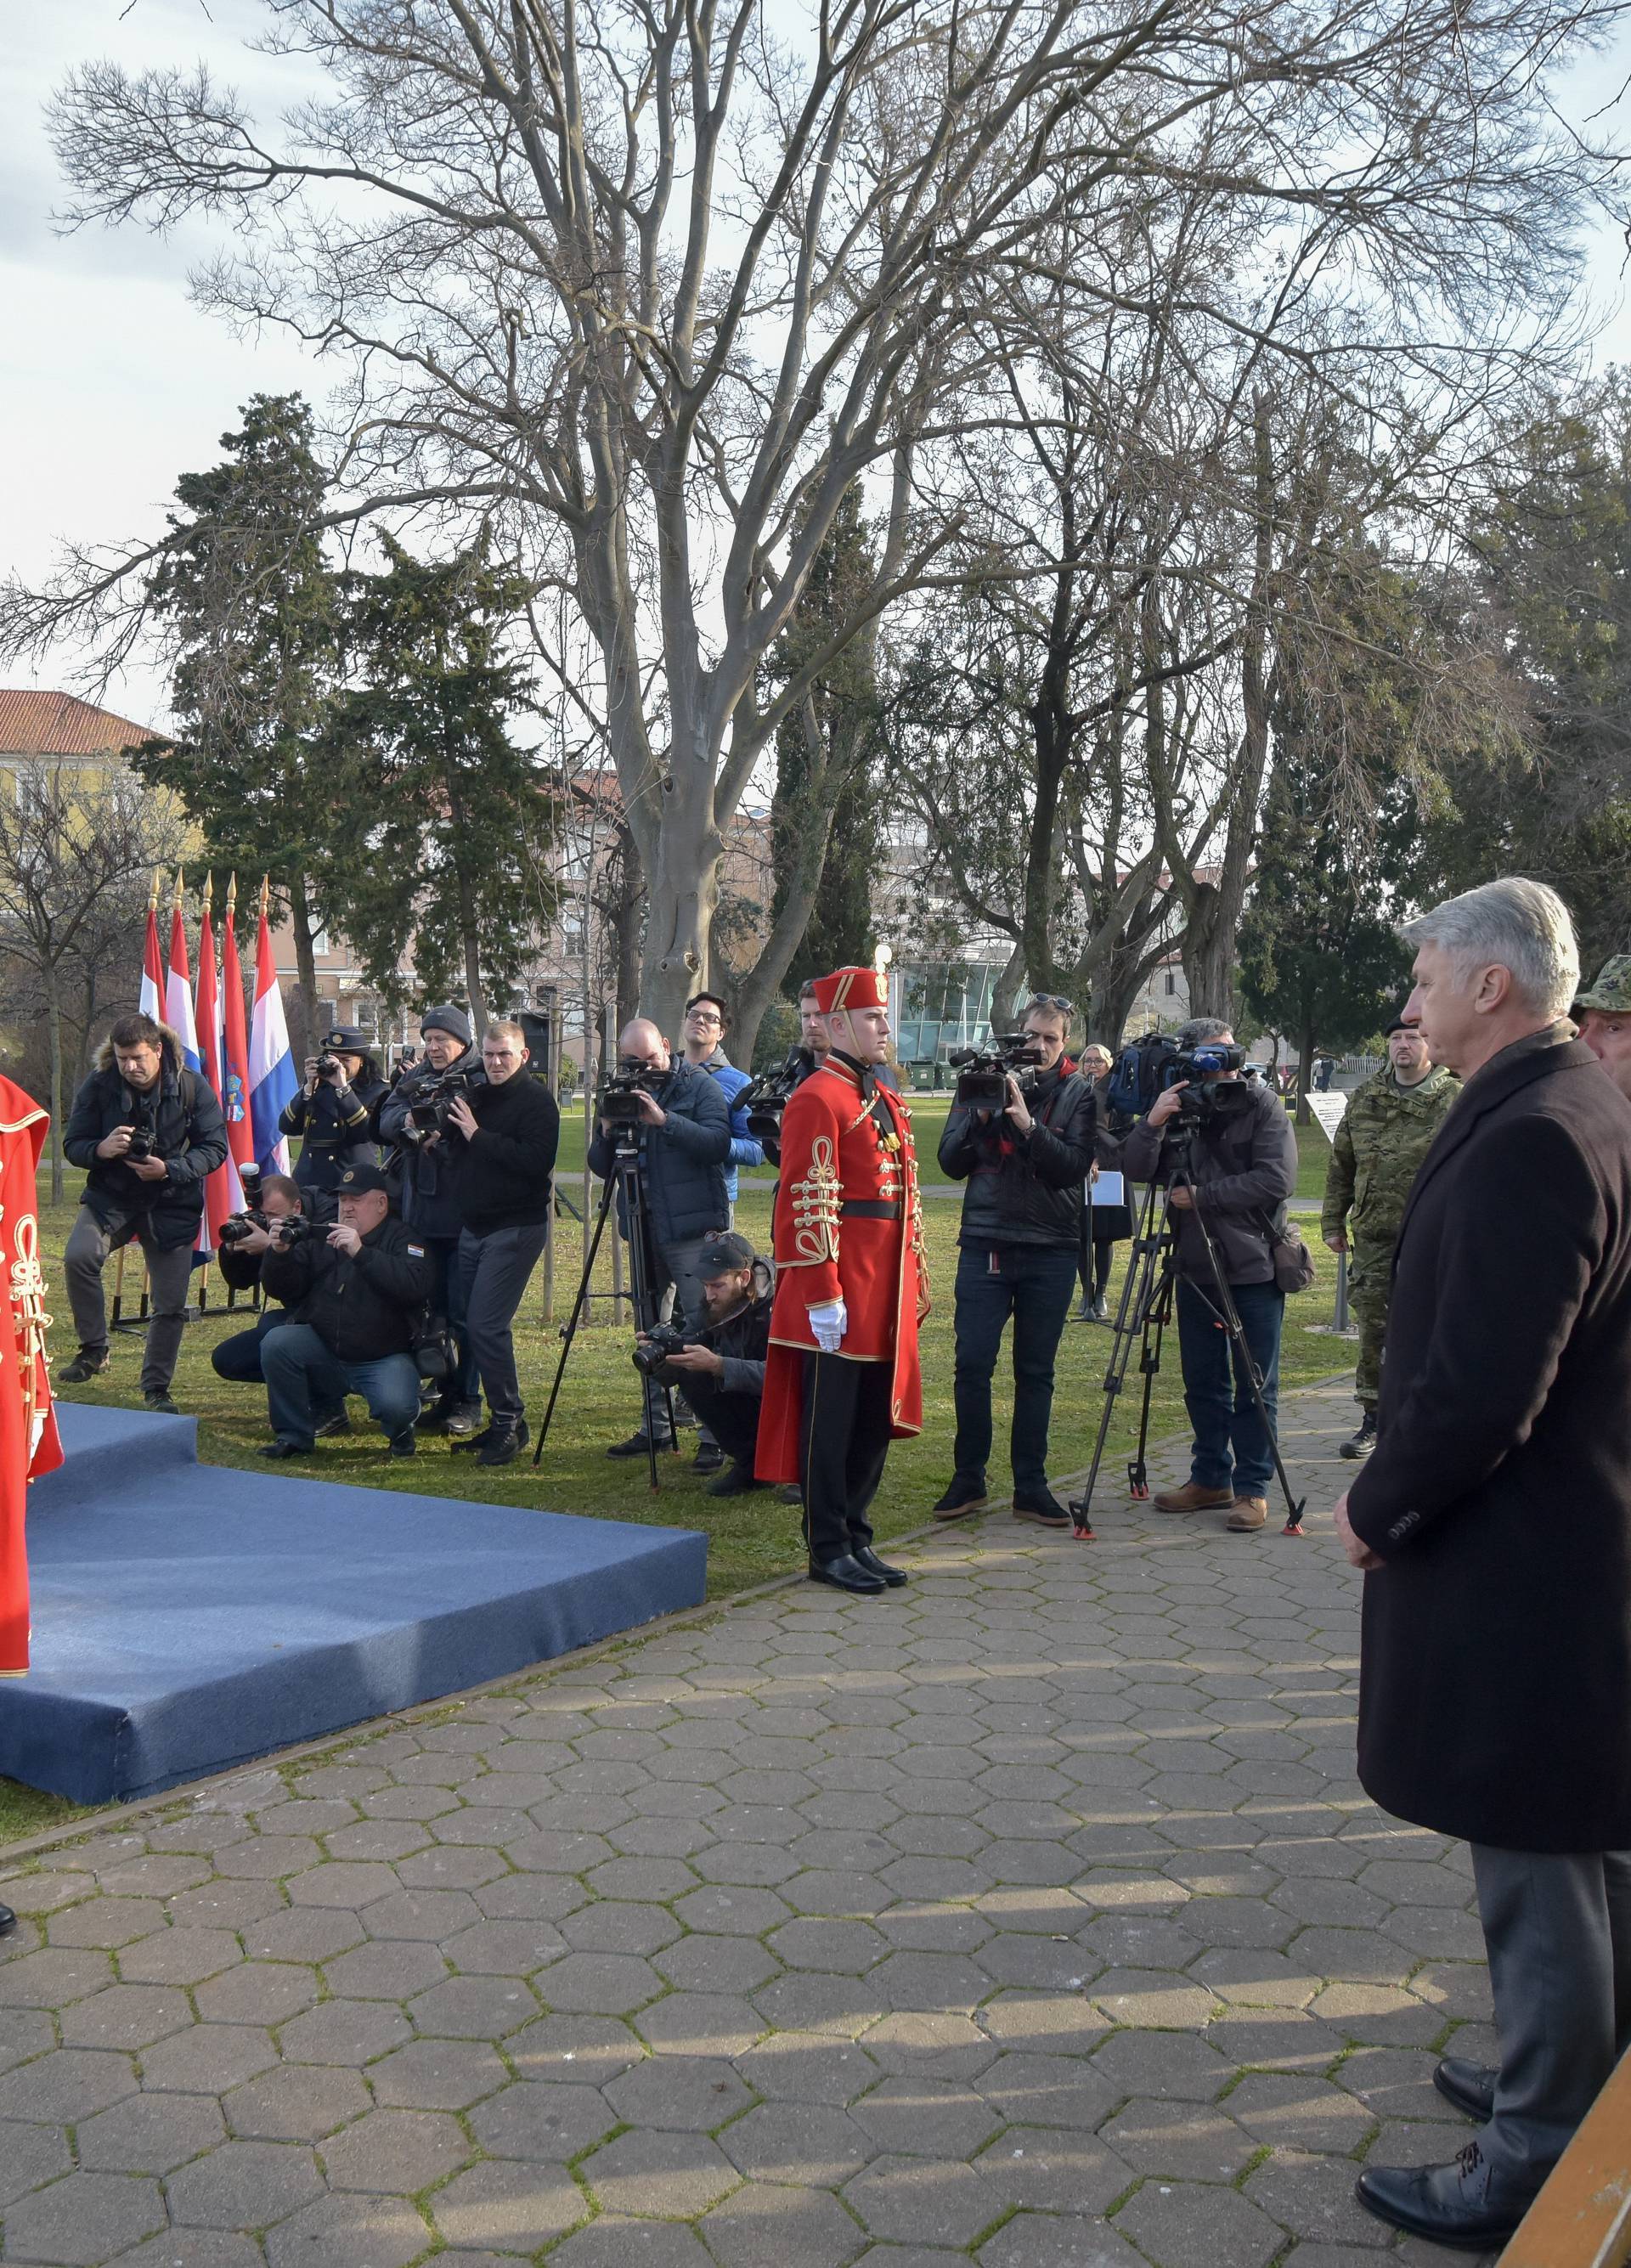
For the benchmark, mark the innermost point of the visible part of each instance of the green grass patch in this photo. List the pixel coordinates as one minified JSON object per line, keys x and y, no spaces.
{"x":751,"y":1539}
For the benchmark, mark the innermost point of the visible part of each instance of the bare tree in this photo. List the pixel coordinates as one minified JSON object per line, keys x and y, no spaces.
{"x":76,"y":850}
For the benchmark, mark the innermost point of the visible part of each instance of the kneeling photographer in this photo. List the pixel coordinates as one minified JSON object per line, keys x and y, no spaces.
{"x":357,"y":1297}
{"x":719,"y":1361}
{"x":1020,"y":1132}
{"x":506,"y":1130}
{"x":1226,"y":1145}
{"x":247,"y":1237}
{"x":414,"y":1117}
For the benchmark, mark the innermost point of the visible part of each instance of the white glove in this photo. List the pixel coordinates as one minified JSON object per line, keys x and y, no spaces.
{"x":829,"y":1323}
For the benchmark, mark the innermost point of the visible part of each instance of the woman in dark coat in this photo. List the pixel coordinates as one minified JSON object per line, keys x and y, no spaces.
{"x":1494,"y":1519}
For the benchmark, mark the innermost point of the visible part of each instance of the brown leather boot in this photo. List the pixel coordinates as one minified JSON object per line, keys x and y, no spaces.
{"x":1192,"y":1497}
{"x":1250,"y":1512}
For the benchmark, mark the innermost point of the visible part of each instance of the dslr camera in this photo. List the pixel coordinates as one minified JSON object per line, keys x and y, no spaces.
{"x":618,"y":1104}
{"x":983,"y":1073}
{"x":661,"y":1341}
{"x":326,"y":1066}
{"x":290,"y":1229}
{"x":431,"y":1110}
{"x":767,"y":1098}
{"x":238,"y":1225}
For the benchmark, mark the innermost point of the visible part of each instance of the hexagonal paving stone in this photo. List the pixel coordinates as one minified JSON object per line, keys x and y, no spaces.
{"x":1050,"y":2169}
{"x":82,"y":2219}
{"x":1045,"y":2240}
{"x":393,"y":1968}
{"x":1175,"y":2066}
{"x":923,"y":2201}
{"x":615,"y":2242}
{"x":179,"y":1956}
{"x":30,"y":2156}
{"x":339,"y":2232}
{"x":396,"y":2153}
{"x":474,"y":2008}
{"x":926,"y":2118}
{"x":1183,"y":2140}
{"x":1300,"y":2113}
{"x":761,"y":2223}
{"x":256,"y":1992}
{"x":344,"y":2032}
{"x":511,"y":2206}
{"x":665,"y":2176}
{"x":700,"y":2024}
{"x":108,"y":1923}
{"x":150,"y":2133}
{"x":681,"y":2094}
{"x":731,"y":1966}
{"x":554,"y":2123}
{"x":586,"y":2049}
{"x":244,"y":2185}
{"x":66,"y":2086}
{"x":602,"y":1983}
{"x":296,"y":2102}
{"x":438,"y":2075}
{"x":801,"y":2145}
{"x":51,"y":1979}
{"x":807,"y":2067}
{"x":1040,"y":2090}
{"x":209,"y":2247}
{"x":506,"y":1948}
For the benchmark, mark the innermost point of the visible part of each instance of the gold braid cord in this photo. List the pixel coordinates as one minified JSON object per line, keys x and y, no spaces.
{"x":28,"y":1315}
{"x":815,"y":1201}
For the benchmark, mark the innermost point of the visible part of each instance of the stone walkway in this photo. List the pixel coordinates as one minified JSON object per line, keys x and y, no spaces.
{"x":1032,"y":1914}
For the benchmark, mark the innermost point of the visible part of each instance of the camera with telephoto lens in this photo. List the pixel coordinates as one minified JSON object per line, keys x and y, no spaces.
{"x":661,"y":1341}
{"x":430,"y":1111}
{"x":619,"y":1102}
{"x":766,"y":1099}
{"x":1207,"y":1098}
{"x":983,"y":1073}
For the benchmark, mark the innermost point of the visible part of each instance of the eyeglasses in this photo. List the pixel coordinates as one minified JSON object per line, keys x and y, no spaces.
{"x":1051,"y":1000}
{"x":703,"y":1015}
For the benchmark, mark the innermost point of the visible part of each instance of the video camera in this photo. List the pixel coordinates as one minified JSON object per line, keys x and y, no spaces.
{"x":983,"y":1073}
{"x":766,"y":1099}
{"x":430,"y":1111}
{"x":1207,"y":1098}
{"x":618,"y":1104}
{"x":661,"y":1341}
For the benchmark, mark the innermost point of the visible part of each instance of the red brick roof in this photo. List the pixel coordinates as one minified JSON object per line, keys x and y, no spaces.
{"x":61,"y":724}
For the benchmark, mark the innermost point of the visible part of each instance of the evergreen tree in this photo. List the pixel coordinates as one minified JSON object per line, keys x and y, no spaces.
{"x":252,"y":604}
{"x":446,"y":818}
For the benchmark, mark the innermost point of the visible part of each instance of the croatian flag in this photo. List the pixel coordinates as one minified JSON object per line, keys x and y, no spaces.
{"x":272,"y":1081}
{"x":234,"y":1065}
{"x":179,"y":992}
{"x":220,"y":1187}
{"x":152,"y":965}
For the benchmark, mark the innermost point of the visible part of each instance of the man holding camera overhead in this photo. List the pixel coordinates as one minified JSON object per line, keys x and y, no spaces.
{"x":1025,"y":1151}
{"x":680,"y":1129}
{"x":1239,"y":1165}
{"x":414,"y":1117}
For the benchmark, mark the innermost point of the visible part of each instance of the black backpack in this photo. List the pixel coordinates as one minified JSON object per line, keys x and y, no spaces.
{"x":1141,"y":1072}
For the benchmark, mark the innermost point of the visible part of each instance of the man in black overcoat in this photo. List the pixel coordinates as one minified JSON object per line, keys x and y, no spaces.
{"x":1494,"y":1520}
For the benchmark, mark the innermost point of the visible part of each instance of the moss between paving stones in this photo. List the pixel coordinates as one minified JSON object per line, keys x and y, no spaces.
{"x":751,"y":1539}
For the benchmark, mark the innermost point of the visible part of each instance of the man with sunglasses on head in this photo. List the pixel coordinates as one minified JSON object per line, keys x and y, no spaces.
{"x":1025,"y":1165}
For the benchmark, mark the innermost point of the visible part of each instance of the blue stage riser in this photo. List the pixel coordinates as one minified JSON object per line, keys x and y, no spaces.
{"x":190,"y":1618}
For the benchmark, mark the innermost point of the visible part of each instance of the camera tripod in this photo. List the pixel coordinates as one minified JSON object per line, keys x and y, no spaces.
{"x":624,"y":1180}
{"x":1143,"y":1314}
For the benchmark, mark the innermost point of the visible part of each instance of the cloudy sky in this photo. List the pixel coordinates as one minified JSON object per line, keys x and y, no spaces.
{"x":110,"y":384}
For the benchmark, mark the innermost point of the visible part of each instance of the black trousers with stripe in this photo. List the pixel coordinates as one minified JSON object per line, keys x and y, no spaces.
{"x":843,"y":1440}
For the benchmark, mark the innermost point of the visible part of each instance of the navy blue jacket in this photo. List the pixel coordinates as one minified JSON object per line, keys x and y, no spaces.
{"x":682,"y":1163}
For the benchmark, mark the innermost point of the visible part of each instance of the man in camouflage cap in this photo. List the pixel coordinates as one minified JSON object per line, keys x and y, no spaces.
{"x":1375,"y":1154}
{"x":1603,"y":1013}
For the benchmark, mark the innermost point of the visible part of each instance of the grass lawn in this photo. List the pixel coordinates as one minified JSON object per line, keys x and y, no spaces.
{"x":750,"y":1538}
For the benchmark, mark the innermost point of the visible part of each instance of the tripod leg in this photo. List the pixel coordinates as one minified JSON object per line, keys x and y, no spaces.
{"x":1155,"y":1334}
{"x":1131,"y":1312}
{"x":608,"y":1193}
{"x":639,"y":1285}
{"x":1229,"y":1314}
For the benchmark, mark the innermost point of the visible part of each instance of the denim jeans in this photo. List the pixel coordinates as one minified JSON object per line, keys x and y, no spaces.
{"x":1222,"y":1413}
{"x":1033,"y":1284}
{"x":303,"y":1377}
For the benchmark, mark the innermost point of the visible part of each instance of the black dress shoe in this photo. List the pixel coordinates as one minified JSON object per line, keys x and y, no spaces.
{"x":847,"y":1573}
{"x":506,"y":1439}
{"x":636,"y":1445}
{"x":967,"y":1493}
{"x":405,"y":1444}
{"x":1469,"y":2085}
{"x":1461,"y":2205}
{"x":162,"y":1403}
{"x":282,"y":1448}
{"x":864,"y":1555}
{"x":710,"y":1458}
{"x":1041,"y":1506}
{"x":8,"y":1921}
{"x":327,"y":1422}
{"x":735,"y":1480}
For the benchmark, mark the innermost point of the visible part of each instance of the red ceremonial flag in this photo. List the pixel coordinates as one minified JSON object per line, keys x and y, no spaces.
{"x":28,"y":1440}
{"x":152,"y":1000}
{"x":234,"y":1056}
{"x":217,"y":1192}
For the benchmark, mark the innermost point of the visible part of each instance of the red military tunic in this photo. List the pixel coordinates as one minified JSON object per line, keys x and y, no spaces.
{"x":837,"y":1152}
{"x":28,"y":1438}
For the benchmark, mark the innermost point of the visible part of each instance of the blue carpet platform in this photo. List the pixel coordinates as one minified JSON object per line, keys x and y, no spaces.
{"x":187,"y":1616}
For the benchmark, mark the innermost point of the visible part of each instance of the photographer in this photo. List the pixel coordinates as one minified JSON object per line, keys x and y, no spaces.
{"x":1243,"y":1164}
{"x":706,"y":1022}
{"x":413,"y":1116}
{"x":506,"y":1130}
{"x":722,"y":1366}
{"x":333,"y":1113}
{"x":681,"y":1136}
{"x":149,"y":1133}
{"x":356,"y":1296}
{"x":244,"y":1242}
{"x":1025,"y":1165}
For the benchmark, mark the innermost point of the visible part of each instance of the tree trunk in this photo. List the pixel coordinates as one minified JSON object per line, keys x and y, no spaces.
{"x":54,"y":1019}
{"x":682,"y":890}
{"x":1305,"y":1075}
{"x":1005,"y":995}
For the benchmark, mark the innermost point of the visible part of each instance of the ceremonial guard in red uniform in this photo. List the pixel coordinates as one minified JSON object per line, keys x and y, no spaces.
{"x":842,"y":1378}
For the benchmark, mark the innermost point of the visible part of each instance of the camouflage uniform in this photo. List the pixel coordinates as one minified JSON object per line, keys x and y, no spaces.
{"x":1384,"y":1134}
{"x":1611,"y":994}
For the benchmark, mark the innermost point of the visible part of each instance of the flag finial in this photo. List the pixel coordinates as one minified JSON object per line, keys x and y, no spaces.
{"x":209,"y":891}
{"x":152,"y":896}
{"x":266,"y":893}
{"x":231,"y":891}
{"x":180,"y":885}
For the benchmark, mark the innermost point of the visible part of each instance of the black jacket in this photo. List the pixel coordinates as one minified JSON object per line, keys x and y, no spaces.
{"x":428,"y":1173}
{"x":742,"y":1341}
{"x":360,"y":1308}
{"x":334,"y":1127}
{"x":1245,"y":1167}
{"x":1495,"y":1699}
{"x":1023,"y":1189}
{"x":681,"y":1164}
{"x":189,"y":1132}
{"x":502,"y":1175}
{"x":240,"y":1271}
